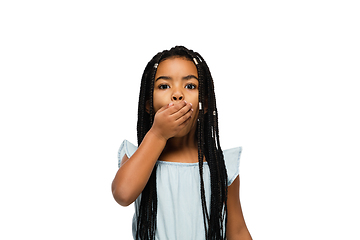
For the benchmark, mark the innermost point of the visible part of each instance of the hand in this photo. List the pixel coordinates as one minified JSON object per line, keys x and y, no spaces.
{"x":171,"y":119}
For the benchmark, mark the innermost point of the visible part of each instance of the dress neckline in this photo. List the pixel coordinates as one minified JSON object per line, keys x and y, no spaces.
{"x":180,"y":163}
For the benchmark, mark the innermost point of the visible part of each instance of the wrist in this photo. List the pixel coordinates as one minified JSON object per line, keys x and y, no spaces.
{"x":157,"y":136}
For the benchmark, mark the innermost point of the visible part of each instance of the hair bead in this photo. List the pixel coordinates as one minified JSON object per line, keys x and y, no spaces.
{"x":200,"y":106}
{"x":156,"y":65}
{"x":195,"y":61}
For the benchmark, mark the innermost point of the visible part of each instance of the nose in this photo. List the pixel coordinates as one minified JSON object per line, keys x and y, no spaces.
{"x":177,"y":96}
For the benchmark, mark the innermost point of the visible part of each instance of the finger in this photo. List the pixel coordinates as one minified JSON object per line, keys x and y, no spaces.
{"x":182,"y":111}
{"x":185,"y":118}
{"x":186,"y":122}
{"x":176,"y":107}
{"x":163,"y":108}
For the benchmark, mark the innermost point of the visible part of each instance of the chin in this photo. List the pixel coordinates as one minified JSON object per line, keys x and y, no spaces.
{"x":184,"y":132}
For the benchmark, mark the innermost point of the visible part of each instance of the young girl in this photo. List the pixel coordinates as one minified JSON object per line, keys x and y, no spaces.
{"x":184,"y":186}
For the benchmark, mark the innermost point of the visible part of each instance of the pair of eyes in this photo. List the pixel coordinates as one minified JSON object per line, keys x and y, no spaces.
{"x":188,"y":86}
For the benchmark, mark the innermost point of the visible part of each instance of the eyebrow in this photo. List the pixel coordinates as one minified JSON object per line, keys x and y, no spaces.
{"x":188,"y":77}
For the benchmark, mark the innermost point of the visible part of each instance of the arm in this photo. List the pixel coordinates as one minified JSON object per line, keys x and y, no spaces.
{"x":134,"y":172}
{"x":236,"y":228}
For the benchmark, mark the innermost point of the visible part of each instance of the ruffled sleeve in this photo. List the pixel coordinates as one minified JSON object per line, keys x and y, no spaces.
{"x":127,"y":148}
{"x":232,"y":163}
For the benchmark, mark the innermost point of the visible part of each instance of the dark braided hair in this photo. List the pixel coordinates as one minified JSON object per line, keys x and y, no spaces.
{"x":208,"y":146}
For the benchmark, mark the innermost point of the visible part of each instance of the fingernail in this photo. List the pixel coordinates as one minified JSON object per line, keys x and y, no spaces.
{"x":190,"y":104}
{"x":170,"y":104}
{"x":185,"y":101}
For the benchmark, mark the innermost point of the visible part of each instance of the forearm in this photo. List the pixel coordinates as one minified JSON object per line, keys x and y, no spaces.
{"x":133,"y":175}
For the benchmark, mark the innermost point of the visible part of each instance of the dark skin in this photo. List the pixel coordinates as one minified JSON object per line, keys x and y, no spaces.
{"x":172,"y":138}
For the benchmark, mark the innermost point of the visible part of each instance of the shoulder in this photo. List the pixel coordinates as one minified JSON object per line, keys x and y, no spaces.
{"x":127,"y":148}
{"x":232,"y":163}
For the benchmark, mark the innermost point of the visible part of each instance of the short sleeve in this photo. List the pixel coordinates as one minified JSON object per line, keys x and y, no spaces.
{"x":127,"y":148}
{"x":232,"y":163}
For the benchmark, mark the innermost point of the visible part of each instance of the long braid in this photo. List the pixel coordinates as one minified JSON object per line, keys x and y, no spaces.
{"x":218,"y":176}
{"x":201,"y":150}
{"x":152,"y":201}
{"x":221,"y":178}
{"x":146,"y":218}
{"x":208,"y":147}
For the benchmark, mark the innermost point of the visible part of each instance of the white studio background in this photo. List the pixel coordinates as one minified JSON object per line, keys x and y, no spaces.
{"x":287,"y":82}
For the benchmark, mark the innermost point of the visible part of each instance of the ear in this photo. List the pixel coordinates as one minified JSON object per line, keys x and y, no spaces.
{"x":206,"y":106}
{"x":147,"y":106}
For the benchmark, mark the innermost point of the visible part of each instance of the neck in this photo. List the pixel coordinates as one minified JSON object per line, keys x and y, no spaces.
{"x":181,"y":145}
{"x":188,"y":141}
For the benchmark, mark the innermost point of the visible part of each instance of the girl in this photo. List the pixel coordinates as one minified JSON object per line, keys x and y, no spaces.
{"x":184,"y":186}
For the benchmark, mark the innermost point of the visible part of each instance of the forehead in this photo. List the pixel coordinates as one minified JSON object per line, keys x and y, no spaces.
{"x":176,"y":66}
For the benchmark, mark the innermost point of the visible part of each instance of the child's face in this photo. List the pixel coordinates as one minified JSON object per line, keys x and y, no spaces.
{"x":176,"y":80}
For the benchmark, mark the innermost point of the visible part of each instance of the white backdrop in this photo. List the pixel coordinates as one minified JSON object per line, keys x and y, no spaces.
{"x":287,"y":82}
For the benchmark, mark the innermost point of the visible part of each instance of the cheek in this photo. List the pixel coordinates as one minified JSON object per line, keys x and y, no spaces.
{"x":159,"y":101}
{"x":156,"y":106}
{"x":194,"y":101}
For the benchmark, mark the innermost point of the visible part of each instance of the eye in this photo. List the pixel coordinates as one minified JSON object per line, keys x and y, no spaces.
{"x":163,"y":86}
{"x":190,"y":86}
